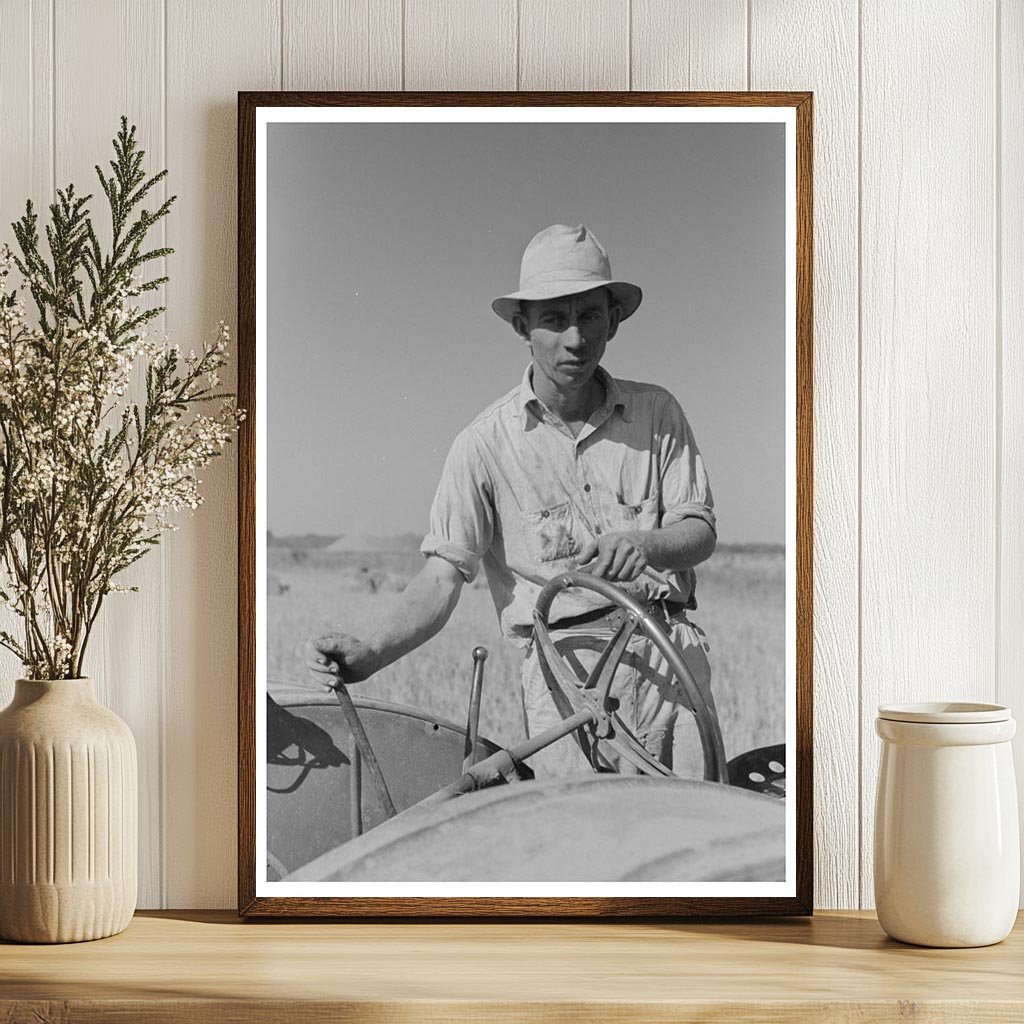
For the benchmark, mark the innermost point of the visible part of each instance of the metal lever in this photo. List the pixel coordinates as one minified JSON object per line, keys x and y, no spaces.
{"x":473,"y":720}
{"x":363,"y":745}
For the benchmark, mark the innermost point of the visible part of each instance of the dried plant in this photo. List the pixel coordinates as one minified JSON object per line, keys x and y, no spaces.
{"x":88,"y":477}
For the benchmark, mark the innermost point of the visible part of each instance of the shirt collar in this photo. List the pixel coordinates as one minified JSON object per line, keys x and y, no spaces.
{"x":614,"y":396}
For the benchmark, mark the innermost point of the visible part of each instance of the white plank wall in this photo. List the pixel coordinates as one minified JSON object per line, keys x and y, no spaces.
{"x":799,"y":45}
{"x":26,"y":161}
{"x":130,"y":33}
{"x":26,"y":107}
{"x":342,"y":44}
{"x":919,"y":316}
{"x":213,"y":50}
{"x":468,"y":45}
{"x":928,"y":516}
{"x":698,"y":44}
{"x":1009,"y":173}
{"x":574,"y":44}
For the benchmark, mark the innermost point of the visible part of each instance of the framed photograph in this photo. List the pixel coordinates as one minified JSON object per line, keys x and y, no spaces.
{"x":525,"y":504}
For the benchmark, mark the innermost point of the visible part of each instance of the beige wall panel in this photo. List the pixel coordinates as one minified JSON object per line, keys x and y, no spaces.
{"x":689,"y":44}
{"x":468,"y":45}
{"x":342,"y":44}
{"x":213,"y":51}
{"x":26,"y":167}
{"x":26,"y":68}
{"x":813,"y":46}
{"x":928,"y":458}
{"x":1010,"y":678}
{"x":122,"y":657}
{"x":574,"y":44}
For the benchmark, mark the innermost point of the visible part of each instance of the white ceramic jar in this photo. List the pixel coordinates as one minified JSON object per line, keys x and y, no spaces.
{"x":947,"y":847}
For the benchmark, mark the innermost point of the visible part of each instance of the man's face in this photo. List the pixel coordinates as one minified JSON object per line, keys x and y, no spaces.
{"x":568,"y":336}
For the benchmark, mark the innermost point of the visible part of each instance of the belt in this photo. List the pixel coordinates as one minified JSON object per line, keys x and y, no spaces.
{"x":612,"y":618}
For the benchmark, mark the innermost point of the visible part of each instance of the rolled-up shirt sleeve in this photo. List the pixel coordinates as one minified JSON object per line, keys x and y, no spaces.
{"x":462,"y":515}
{"x":685,"y":490}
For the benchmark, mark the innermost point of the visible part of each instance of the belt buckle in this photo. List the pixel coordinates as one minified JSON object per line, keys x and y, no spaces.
{"x":617,"y":616}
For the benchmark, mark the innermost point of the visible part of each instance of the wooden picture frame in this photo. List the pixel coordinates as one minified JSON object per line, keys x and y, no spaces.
{"x":256,"y":896}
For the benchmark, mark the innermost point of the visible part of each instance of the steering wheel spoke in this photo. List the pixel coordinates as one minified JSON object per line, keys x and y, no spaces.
{"x":600,"y":679}
{"x":565,"y":689}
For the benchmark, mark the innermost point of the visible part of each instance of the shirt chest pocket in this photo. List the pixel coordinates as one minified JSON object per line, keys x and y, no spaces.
{"x":640,"y":516}
{"x":550,"y":534}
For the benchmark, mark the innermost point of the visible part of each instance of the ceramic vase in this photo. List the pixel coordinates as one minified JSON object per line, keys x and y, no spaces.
{"x":68,"y":815}
{"x":947,"y":847}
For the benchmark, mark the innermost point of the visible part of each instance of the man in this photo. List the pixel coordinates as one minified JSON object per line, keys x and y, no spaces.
{"x":572,"y":469}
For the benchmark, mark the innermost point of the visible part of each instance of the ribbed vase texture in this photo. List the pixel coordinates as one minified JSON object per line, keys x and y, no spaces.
{"x":68,"y":815}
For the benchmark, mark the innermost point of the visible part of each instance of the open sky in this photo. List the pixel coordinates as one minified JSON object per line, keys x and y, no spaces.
{"x":387,"y":243}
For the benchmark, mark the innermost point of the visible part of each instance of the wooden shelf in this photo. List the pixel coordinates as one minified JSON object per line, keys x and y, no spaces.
{"x":209,"y":966}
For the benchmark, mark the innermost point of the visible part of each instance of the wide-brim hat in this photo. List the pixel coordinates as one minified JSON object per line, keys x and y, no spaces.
{"x":563,"y":260}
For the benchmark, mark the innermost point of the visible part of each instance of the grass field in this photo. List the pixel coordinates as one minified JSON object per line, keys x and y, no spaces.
{"x":740,"y":592}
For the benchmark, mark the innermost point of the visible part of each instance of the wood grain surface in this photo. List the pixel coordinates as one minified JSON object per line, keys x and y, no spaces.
{"x":207,"y":966}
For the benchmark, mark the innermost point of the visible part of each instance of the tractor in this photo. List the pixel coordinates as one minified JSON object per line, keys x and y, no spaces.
{"x":363,"y":790}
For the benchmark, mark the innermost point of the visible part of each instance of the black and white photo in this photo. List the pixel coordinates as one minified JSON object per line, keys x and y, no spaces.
{"x":525,"y":457}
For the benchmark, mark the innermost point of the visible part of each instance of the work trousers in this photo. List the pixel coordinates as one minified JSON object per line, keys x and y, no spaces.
{"x":651,"y":701}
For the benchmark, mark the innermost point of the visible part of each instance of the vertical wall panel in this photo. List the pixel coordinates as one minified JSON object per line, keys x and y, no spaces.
{"x":796,"y":45}
{"x":26,"y":67}
{"x":574,"y":44}
{"x":1011,"y":315}
{"x":342,"y":44}
{"x":122,"y":657}
{"x":689,"y":44}
{"x":928,"y":522}
{"x":26,"y":171}
{"x":213,"y":51}
{"x":470,"y":45}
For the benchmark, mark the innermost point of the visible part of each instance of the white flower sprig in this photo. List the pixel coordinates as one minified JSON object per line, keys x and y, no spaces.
{"x":89,"y":478}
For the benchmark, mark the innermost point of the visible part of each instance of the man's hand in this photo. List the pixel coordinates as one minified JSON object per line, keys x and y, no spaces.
{"x":619,"y":557}
{"x":338,"y":658}
{"x":423,"y":608}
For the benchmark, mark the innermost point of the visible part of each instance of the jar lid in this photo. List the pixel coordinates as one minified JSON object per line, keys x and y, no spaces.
{"x":945,"y":712}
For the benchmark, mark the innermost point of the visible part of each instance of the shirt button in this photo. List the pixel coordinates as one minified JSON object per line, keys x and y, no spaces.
{"x":545,"y":514}
{"x":597,"y":529}
{"x":586,"y":487}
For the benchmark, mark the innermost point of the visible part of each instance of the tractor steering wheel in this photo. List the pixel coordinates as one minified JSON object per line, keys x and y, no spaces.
{"x":570,"y":696}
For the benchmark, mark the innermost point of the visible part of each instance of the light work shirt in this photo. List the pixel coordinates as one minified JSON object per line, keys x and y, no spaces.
{"x":523,"y":496}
